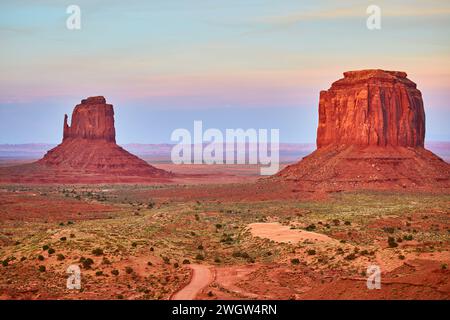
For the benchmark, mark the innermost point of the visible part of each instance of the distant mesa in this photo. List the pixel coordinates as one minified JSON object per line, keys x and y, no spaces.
{"x":88,"y":153}
{"x":370,"y":135}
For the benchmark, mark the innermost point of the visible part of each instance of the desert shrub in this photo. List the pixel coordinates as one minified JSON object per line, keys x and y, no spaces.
{"x":351,"y":256}
{"x":115,"y":272}
{"x":166,"y":260}
{"x":199,"y":257}
{"x":106,"y":261}
{"x":176,"y":265}
{"x":23,"y":258}
{"x":336,"y":222}
{"x":134,"y":244}
{"x":210,"y":294}
{"x":408,"y":237}
{"x":60,"y":257}
{"x":197,"y":217}
{"x":86,"y":262}
{"x":389,"y":229}
{"x":227,"y":239}
{"x":217,"y":260}
{"x":150,"y":204}
{"x":200,"y":247}
{"x":42,"y":269}
{"x":186,"y":261}
{"x":72,"y":235}
{"x":5,"y":263}
{"x":45,"y":247}
{"x":51,"y":251}
{"x":120,"y":296}
{"x":364,"y":252}
{"x":311,"y":227}
{"x":152,"y":249}
{"x":295,"y":261}
{"x":347,"y":223}
{"x":63,"y":238}
{"x":149,"y":263}
{"x":218,"y":226}
{"x":69,"y":222}
{"x":41,"y":257}
{"x":97,"y":252}
{"x":401,"y":257}
{"x":99,"y":273}
{"x":240,"y":254}
{"x":444,"y":266}
{"x":311,"y":252}
{"x":128,"y":270}
{"x":392,"y":243}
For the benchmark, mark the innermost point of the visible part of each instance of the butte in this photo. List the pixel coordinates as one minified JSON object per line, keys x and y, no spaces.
{"x":370,"y":135}
{"x":88,"y":153}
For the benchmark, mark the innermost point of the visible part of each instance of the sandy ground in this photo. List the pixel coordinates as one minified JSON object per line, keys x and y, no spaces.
{"x":279,"y":233}
{"x":201,"y":277}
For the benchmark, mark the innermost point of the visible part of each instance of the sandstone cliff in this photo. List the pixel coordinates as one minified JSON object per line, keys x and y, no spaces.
{"x":370,"y":135}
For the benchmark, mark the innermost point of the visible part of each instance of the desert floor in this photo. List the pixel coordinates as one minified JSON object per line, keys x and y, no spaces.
{"x":223,"y":234}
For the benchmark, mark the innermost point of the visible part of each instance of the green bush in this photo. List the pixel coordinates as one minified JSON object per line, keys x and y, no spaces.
{"x":186,"y":261}
{"x":311,"y":252}
{"x":60,"y":257}
{"x":51,"y":251}
{"x":42,"y":269}
{"x":295,"y":261}
{"x":41,"y":257}
{"x":199,"y":257}
{"x":115,"y":272}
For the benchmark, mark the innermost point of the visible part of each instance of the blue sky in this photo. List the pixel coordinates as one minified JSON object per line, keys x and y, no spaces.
{"x":250,"y":64}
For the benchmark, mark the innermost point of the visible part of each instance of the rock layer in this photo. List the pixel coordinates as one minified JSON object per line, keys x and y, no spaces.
{"x":372,"y":107}
{"x":370,"y":136}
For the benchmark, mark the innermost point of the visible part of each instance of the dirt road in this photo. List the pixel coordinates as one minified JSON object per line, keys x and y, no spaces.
{"x":202,"y":276}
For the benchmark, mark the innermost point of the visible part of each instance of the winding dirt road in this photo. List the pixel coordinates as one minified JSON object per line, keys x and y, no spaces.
{"x":202,"y":276}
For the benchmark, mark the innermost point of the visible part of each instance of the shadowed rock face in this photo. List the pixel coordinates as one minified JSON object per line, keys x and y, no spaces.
{"x":370,"y":136}
{"x":92,"y":119}
{"x":372,"y":108}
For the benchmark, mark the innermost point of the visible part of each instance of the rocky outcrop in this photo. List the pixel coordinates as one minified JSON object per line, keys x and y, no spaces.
{"x":92,"y":119}
{"x":372,"y":108}
{"x":89,"y":153}
{"x":370,"y":136}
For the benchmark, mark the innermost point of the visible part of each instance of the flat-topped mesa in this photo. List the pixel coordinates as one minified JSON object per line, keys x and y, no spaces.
{"x":93,"y":119}
{"x":372,"y":107}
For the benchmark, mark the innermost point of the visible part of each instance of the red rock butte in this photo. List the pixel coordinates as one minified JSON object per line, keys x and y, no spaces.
{"x":370,"y":135}
{"x":88,"y":153}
